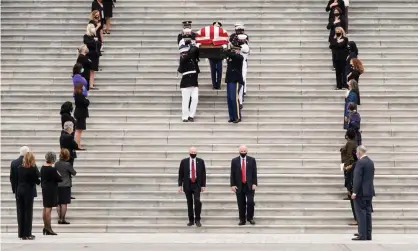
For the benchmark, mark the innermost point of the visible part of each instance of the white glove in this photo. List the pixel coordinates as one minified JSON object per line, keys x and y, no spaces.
{"x":95,"y":38}
{"x":224,"y":46}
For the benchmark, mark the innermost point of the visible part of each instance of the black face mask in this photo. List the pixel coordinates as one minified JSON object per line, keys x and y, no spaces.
{"x":192,"y":155}
{"x":338,"y":34}
{"x":337,"y":14}
{"x":243,"y":155}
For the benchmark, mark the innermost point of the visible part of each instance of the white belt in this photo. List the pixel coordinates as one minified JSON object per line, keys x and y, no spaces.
{"x":188,"y":72}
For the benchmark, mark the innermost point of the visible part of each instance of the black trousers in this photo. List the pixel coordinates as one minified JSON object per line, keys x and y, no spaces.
{"x":340,"y":75}
{"x":245,"y":199}
{"x":353,"y":209}
{"x":193,"y":198}
{"x":24,"y":214}
{"x":363,"y":209}
{"x":346,"y":19}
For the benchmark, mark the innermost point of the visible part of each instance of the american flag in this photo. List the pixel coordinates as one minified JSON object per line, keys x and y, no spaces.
{"x":212,"y":35}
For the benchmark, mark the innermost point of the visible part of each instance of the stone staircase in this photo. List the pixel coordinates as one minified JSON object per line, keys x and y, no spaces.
{"x":292,"y":117}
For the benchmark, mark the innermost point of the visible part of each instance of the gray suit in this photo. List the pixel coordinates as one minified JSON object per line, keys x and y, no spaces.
{"x":363,"y":187}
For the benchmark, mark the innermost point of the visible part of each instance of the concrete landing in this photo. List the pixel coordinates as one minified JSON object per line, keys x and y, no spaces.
{"x":230,"y":242}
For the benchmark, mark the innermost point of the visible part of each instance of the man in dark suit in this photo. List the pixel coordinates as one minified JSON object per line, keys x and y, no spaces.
{"x":192,"y":180}
{"x":363,"y":193}
{"x":13,"y":177}
{"x":243,"y":184}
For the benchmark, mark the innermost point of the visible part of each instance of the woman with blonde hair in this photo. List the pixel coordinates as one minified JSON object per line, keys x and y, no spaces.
{"x":95,"y":19}
{"x":28,"y":177}
{"x":356,"y":69}
{"x":93,"y":45}
{"x":84,"y":60}
{"x":338,"y":46}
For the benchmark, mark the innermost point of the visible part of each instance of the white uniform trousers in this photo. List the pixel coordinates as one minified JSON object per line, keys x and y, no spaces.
{"x":187,"y":93}
{"x":244,"y":77}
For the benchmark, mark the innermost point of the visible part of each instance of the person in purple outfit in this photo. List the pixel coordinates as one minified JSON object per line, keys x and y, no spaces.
{"x":78,"y":78}
{"x":352,"y":96}
{"x":353,"y":121}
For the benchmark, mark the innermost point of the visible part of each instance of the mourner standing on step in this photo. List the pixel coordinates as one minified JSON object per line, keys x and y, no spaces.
{"x":352,"y":96}
{"x":336,"y":21}
{"x":98,"y":5}
{"x":81,"y":114}
{"x":354,"y":121}
{"x":340,"y":53}
{"x":216,"y":67}
{"x":84,"y":60}
{"x":27,"y":179}
{"x":93,"y":44}
{"x":189,"y":81}
{"x":234,"y":82}
{"x":243,"y":184}
{"x":332,"y":4}
{"x":108,"y":13}
{"x":363,"y":193}
{"x":67,"y":141}
{"x":192,"y":181}
{"x":187,"y":28}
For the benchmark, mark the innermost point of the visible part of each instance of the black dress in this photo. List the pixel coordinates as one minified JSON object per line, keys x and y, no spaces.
{"x":81,"y":111}
{"x":94,"y":51}
{"x":50,"y":179}
{"x":355,"y":74}
{"x":86,"y":63}
{"x":67,"y":141}
{"x":96,"y":6}
{"x":108,"y":8}
{"x":97,"y":29}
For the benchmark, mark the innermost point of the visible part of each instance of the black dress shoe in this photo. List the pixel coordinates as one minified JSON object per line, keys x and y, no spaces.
{"x":240,"y":107}
{"x":236,"y":121}
{"x":191,"y":119}
{"x":230,"y":121}
{"x":73,"y":198}
{"x":198,"y":224}
{"x":241,"y":223}
{"x":358,"y":238}
{"x":356,"y":234}
{"x":252,"y":222}
{"x":190,"y":224}
{"x":185,"y":120}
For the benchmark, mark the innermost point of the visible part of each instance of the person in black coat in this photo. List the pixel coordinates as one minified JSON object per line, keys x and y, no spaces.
{"x":27,"y":179}
{"x":352,"y":53}
{"x":339,"y":49}
{"x":97,"y":12}
{"x":49,"y":180}
{"x":81,"y":113}
{"x":332,"y":4}
{"x":243,"y":184}
{"x":192,"y":180}
{"x":67,"y":141}
{"x":93,"y":45}
{"x":84,"y":60}
{"x":108,"y":13}
{"x":66,"y":110}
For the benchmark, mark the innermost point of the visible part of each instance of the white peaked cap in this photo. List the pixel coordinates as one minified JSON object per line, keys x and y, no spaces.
{"x":242,"y":36}
{"x":239,"y":24}
{"x":245,"y":48}
{"x":187,"y":30}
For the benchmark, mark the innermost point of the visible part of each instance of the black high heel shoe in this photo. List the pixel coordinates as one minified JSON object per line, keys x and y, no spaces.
{"x":49,"y":232}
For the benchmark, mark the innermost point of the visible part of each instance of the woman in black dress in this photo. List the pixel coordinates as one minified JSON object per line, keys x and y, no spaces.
{"x":49,"y":178}
{"x":64,"y":187}
{"x":66,"y":110}
{"x":93,"y":45}
{"x":356,"y":69}
{"x":81,"y":112}
{"x":27,"y":178}
{"x":84,"y":60}
{"x":108,"y":13}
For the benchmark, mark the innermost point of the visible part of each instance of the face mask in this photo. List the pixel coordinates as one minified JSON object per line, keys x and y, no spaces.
{"x":193,"y":155}
{"x":337,"y":14}
{"x":82,"y":70}
{"x":243,"y":155}
{"x":338,"y":34}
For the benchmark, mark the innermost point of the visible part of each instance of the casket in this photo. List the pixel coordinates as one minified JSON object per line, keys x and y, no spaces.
{"x":211,"y":40}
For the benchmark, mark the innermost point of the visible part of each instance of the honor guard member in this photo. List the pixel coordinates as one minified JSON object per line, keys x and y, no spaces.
{"x":187,"y":28}
{"x":189,"y":83}
{"x":239,"y":29}
{"x":216,"y":67}
{"x":245,"y":50}
{"x":234,"y":82}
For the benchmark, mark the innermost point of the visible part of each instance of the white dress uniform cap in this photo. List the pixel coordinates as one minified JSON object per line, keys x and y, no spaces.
{"x":245,"y":49}
{"x":242,"y":36}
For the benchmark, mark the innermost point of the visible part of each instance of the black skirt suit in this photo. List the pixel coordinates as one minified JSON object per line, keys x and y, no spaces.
{"x":49,"y":181}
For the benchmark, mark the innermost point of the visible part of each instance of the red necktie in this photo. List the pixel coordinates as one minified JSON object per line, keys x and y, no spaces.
{"x":193,"y":172}
{"x":243,"y":172}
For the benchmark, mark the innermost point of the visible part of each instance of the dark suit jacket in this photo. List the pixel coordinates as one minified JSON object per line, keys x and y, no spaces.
{"x":67,"y":141}
{"x":363,"y":184}
{"x":81,"y":106}
{"x":184,"y":173}
{"x":14,"y":174}
{"x":251,"y":172}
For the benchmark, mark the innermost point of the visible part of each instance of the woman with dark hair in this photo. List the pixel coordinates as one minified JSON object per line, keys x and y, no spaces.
{"x":353,"y":122}
{"x":332,"y":4}
{"x":78,"y":78}
{"x":352,"y":96}
{"x":108,"y":13}
{"x":337,"y":20}
{"x":27,"y":178}
{"x":66,"y":171}
{"x":356,"y":69}
{"x":81,"y":112}
{"x":49,"y":178}
{"x":66,"y":110}
{"x":338,"y":46}
{"x":348,"y":159}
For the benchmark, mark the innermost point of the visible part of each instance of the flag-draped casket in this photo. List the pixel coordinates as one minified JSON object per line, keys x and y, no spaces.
{"x":210,"y":40}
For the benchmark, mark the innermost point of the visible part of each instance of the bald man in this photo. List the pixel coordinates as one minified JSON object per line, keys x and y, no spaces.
{"x":243,"y":184}
{"x":192,"y":181}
